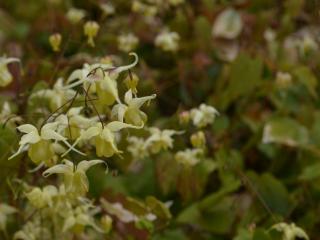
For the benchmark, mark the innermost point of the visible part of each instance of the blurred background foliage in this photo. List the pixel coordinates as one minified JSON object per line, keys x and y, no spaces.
{"x":263,"y":164}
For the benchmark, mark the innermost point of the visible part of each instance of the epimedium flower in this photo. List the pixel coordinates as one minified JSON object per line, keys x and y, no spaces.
{"x":106,"y":223}
{"x":39,"y":145}
{"x":290,"y":231}
{"x":90,"y":29}
{"x":104,"y":136}
{"x":160,"y":139}
{"x":57,"y":96}
{"x":107,"y":8}
{"x":130,"y":111}
{"x":55,"y":41}
{"x":198,"y":139}
{"x":102,"y":78}
{"x":145,"y":9}
{"x":189,"y":157}
{"x":5,"y":75}
{"x":76,"y":219}
{"x":40,"y":198}
{"x":6,"y":115}
{"x":137,"y":147}
{"x":73,"y":122}
{"x":75,"y":179}
{"x":75,"y":15}
{"x":127,"y":42}
{"x":203,"y":116}
{"x":168,"y":41}
{"x":5,"y":210}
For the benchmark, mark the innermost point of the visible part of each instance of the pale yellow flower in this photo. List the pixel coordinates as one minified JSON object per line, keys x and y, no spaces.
{"x":57,"y":96}
{"x":189,"y":157}
{"x":75,"y":15}
{"x":5,"y":75}
{"x":290,"y":231}
{"x":75,"y":179}
{"x":168,"y":41}
{"x":55,"y":41}
{"x":160,"y":139}
{"x":203,"y":116}
{"x":90,"y":29}
{"x":105,"y":141}
{"x":40,"y":198}
{"x":127,"y":42}
{"x":130,"y":111}
{"x":39,"y":145}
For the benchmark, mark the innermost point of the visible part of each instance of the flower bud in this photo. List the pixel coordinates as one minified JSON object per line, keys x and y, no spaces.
{"x":184,"y":117}
{"x":55,"y":41}
{"x":131,"y":82}
{"x":106,"y":223}
{"x":198,"y":139}
{"x":90,"y":30}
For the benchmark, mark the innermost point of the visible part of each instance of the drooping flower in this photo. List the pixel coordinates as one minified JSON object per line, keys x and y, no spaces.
{"x":75,"y":179}
{"x":107,"y":8}
{"x":167,"y":41}
{"x":55,"y":41}
{"x":204,"y":115}
{"x":6,"y":115}
{"x":57,"y":96}
{"x":137,"y":147}
{"x":73,"y":122}
{"x":90,"y":29}
{"x":104,"y":136}
{"x":198,"y":139}
{"x":160,"y":139}
{"x":130,"y":112}
{"x":79,"y":217}
{"x":290,"y":231}
{"x":145,"y":9}
{"x":189,"y":157}
{"x":75,"y":15}
{"x":127,"y":42}
{"x":106,"y":223}
{"x":5,"y":75}
{"x":40,"y":198}
{"x":39,"y":145}
{"x":102,"y":78}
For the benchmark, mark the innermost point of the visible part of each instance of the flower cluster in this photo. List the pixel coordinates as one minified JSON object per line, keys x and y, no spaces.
{"x":86,"y":110}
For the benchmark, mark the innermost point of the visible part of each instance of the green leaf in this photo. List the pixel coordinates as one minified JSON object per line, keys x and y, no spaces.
{"x":245,"y":76}
{"x":272,"y":192}
{"x":305,"y":76}
{"x":158,"y":208}
{"x":310,"y":172}
{"x":285,"y":131}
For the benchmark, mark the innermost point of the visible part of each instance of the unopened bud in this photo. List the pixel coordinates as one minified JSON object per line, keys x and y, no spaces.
{"x":55,"y":41}
{"x":106,"y":223}
{"x":198,"y":139}
{"x":184,"y":117}
{"x":131,"y":82}
{"x":91,"y":29}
